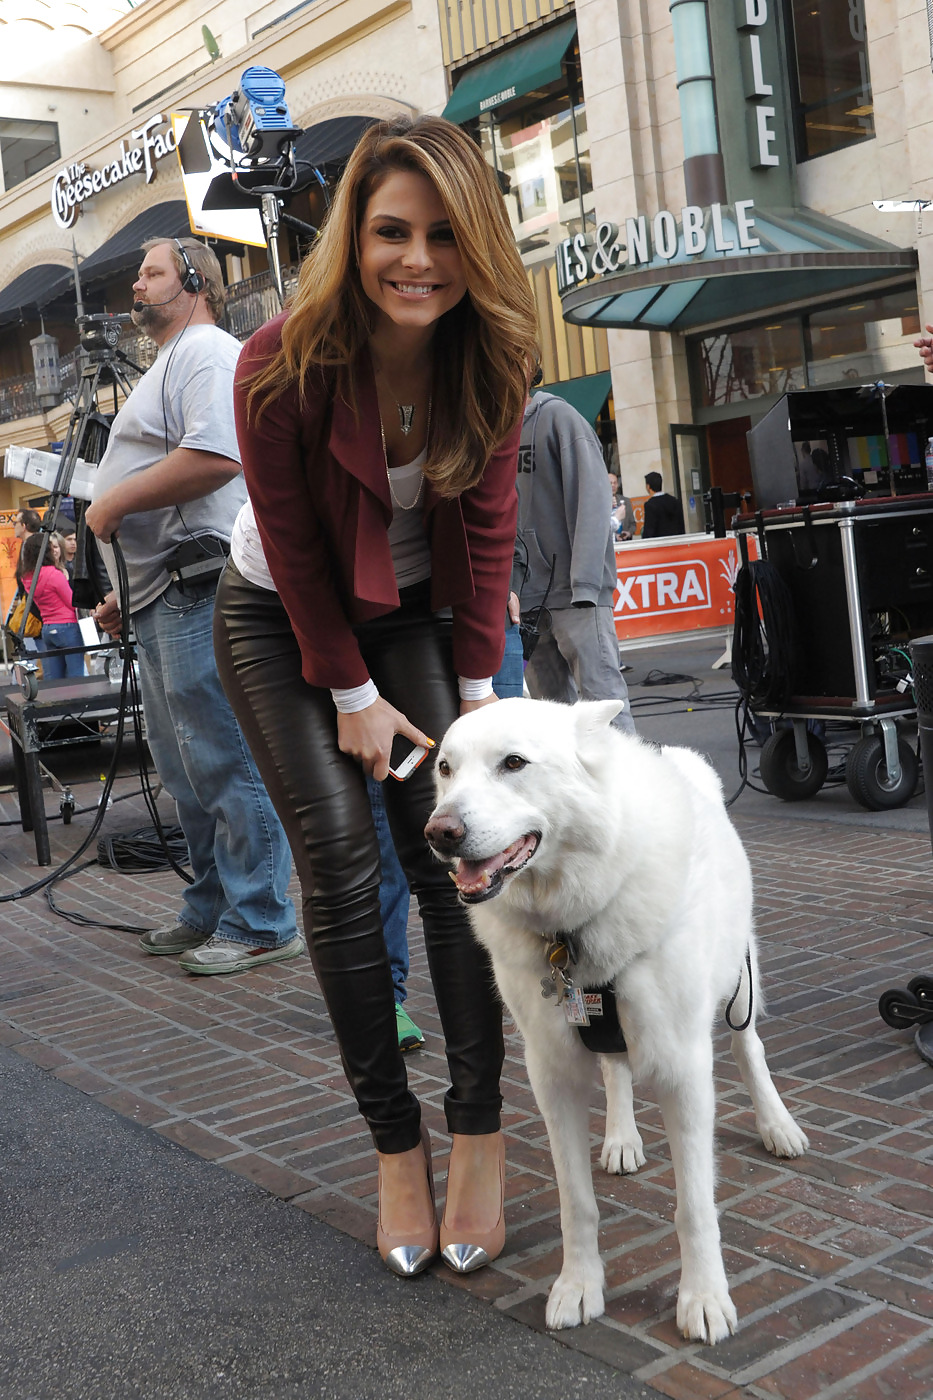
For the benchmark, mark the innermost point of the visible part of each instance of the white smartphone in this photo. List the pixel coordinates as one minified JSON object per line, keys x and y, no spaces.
{"x":405,"y":757}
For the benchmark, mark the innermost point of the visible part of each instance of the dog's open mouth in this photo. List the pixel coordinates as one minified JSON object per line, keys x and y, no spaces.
{"x":477,"y":880}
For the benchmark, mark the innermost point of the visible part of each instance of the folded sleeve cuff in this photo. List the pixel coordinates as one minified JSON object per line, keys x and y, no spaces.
{"x":358,"y":697}
{"x":474,"y":690}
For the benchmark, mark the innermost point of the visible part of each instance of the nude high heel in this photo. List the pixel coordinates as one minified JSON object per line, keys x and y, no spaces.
{"x":408,"y":1252}
{"x":463,"y":1256}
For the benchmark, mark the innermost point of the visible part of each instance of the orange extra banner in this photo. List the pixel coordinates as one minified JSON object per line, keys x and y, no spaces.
{"x":679,"y":584}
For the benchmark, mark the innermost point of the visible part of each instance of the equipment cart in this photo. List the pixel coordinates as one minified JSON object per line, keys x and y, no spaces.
{"x":859,"y":574}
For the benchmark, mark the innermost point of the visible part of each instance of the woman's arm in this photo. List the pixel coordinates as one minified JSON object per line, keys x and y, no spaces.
{"x":294,"y":543}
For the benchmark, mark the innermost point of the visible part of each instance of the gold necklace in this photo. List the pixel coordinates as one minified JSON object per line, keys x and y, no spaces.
{"x":385,"y":454}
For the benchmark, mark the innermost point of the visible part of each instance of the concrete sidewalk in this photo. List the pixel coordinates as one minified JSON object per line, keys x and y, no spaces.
{"x":830,"y":1258}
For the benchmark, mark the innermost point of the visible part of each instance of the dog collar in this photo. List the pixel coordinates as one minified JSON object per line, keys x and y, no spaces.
{"x":582,"y":1006}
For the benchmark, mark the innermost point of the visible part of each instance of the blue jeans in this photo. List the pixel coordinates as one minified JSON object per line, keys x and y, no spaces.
{"x":239,"y":856}
{"x":394,"y":894}
{"x":508,"y":680}
{"x":55,"y":635}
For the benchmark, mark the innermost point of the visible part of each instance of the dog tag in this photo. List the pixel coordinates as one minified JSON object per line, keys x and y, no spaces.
{"x":575,"y":1007}
{"x":548,"y":987}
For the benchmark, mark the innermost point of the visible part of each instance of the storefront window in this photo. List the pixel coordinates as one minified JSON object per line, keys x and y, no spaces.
{"x":829,"y":58}
{"x":855,"y":343}
{"x":747,"y":364}
{"x":863,"y":341}
{"x":541,"y":151}
{"x":26,"y":147}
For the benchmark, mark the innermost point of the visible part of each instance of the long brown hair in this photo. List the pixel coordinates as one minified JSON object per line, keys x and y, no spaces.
{"x":483,"y":347}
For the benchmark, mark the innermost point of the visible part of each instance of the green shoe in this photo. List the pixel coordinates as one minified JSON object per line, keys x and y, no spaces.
{"x":409,"y":1036}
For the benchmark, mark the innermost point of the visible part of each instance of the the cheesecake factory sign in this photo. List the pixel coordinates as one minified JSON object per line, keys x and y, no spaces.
{"x":77,"y":182}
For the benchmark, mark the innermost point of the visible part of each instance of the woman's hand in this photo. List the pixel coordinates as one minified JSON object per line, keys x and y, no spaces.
{"x":367,"y":736}
{"x":467,"y":706}
{"x":925,"y":346}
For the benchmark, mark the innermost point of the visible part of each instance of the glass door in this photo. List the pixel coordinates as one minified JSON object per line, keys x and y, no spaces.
{"x":690,"y":458}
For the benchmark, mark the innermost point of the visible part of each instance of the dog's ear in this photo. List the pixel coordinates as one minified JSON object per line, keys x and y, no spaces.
{"x":591,"y":716}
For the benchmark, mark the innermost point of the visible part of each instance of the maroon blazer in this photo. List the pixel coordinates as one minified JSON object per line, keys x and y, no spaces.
{"x":316,"y":475}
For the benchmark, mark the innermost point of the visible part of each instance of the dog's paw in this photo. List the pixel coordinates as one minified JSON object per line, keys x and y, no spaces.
{"x":784,"y":1138}
{"x":574,"y":1299}
{"x":705,"y":1317}
{"x":622,"y":1155}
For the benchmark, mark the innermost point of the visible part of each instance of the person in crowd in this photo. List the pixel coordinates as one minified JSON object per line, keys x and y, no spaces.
{"x":379,"y":418}
{"x":25,"y":523}
{"x":623,"y":513}
{"x":69,"y":543}
{"x":52,"y":597}
{"x":664,"y":515}
{"x":567,"y":557}
{"x":394,"y":908}
{"x":57,"y":553}
{"x":167,"y":492}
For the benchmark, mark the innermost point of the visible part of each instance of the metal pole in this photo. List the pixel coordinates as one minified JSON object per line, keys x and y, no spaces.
{"x":921,"y":651}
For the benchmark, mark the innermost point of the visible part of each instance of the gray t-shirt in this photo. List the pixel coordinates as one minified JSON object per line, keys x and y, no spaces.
{"x":184,"y":400}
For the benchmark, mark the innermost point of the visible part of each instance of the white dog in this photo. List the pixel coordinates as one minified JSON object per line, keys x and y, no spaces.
{"x":571,"y":838}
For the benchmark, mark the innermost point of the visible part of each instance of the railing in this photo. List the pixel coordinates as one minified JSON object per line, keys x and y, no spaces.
{"x":249,"y":304}
{"x":254,"y":301}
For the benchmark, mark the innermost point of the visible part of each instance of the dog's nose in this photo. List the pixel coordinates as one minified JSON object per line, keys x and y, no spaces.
{"x":444,"y":830}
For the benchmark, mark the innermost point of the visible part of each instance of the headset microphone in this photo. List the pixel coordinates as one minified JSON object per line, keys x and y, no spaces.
{"x":192,"y":281}
{"x":141,"y":305}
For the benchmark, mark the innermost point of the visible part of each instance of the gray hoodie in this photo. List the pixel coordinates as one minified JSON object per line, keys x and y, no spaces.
{"x":564,"y":504}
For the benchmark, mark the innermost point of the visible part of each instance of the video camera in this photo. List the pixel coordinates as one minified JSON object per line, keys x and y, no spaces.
{"x":99,"y":333}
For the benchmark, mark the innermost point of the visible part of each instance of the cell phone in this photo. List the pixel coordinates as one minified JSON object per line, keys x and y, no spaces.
{"x":405,"y":757}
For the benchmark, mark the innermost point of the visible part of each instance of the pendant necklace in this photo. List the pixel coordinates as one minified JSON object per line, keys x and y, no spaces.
{"x":406,"y":411}
{"x":402,"y":505}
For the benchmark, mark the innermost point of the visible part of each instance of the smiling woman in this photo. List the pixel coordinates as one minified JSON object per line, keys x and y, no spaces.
{"x":378,"y":420}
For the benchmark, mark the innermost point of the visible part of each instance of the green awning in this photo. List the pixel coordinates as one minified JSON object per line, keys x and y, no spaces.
{"x":523,"y":68}
{"x":801,"y":258}
{"x":586,"y":395}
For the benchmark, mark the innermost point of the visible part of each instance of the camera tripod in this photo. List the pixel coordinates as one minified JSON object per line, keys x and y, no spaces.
{"x":86,"y":438}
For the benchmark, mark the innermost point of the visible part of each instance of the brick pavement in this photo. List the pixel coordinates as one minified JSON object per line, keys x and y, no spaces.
{"x":830,"y":1258}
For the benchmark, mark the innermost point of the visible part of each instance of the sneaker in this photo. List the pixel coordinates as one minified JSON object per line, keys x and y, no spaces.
{"x":177,"y":938}
{"x":409,"y":1036}
{"x":223,"y":955}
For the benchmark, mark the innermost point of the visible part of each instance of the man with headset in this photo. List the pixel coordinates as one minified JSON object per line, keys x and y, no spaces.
{"x":167,"y":493}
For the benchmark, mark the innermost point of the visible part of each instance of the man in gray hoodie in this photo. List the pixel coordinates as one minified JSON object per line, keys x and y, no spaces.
{"x":564,"y":552}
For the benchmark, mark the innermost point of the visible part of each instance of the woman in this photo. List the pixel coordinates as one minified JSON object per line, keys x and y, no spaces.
{"x":56,"y":553}
{"x":59,"y":620}
{"x":378,"y":420}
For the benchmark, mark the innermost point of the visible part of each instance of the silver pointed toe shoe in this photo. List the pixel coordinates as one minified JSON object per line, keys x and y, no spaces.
{"x":464,"y":1258}
{"x":408,"y":1259}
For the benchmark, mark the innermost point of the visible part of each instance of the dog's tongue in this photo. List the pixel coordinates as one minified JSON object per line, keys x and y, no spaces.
{"x":473,"y":876}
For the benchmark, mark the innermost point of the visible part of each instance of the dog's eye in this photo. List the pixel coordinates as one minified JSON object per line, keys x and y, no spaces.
{"x":514,"y":762}
{"x":443,"y":768}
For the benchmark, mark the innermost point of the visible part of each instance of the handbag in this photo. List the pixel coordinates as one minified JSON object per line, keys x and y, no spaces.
{"x":33,"y":627}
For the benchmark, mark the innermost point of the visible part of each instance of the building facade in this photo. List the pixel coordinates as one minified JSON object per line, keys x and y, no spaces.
{"x":89,"y":164}
{"x":721,"y":231}
{"x":692,"y":185}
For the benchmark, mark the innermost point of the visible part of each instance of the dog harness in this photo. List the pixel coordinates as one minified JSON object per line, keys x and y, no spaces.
{"x":593,"y":1010}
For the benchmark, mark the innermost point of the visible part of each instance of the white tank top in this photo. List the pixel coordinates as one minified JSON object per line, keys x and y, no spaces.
{"x":411,"y":557}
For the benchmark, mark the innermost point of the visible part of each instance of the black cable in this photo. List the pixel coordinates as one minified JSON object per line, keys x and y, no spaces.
{"x":141,"y":851}
{"x":764,"y":643}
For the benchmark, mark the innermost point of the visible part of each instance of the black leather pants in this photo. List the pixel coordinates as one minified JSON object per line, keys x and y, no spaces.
{"x":320,"y":797}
